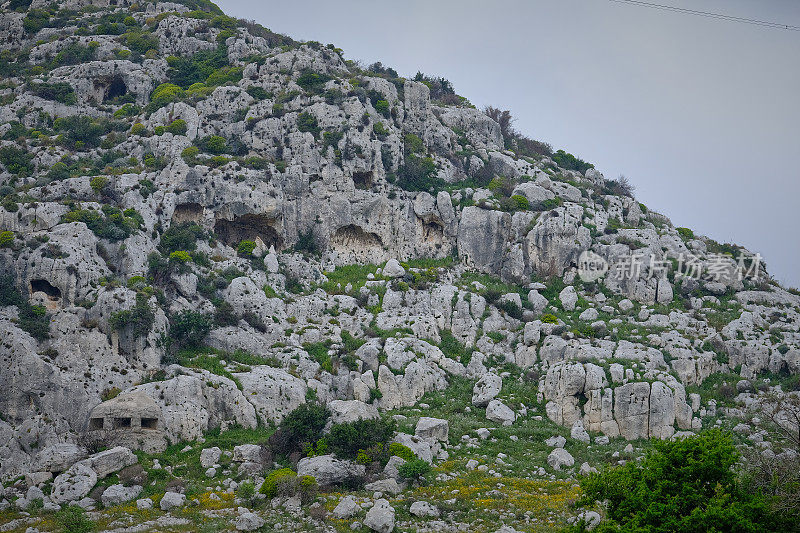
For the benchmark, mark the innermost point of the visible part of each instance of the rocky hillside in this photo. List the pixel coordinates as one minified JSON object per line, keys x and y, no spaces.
{"x":206,"y":226}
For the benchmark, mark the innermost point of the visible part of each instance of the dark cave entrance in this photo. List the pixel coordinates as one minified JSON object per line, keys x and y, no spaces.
{"x":248,"y":228}
{"x":42,"y":285}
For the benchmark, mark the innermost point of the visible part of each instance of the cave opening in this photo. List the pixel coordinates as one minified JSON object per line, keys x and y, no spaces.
{"x":248,"y":228}
{"x":42,"y":285}
{"x":116,"y":88}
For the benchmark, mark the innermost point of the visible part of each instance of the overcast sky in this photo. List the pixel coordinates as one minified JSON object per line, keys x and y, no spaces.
{"x":701,"y":115}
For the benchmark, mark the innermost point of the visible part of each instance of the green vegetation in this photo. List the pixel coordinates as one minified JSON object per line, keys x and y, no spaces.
{"x":187,"y":329}
{"x":346,"y":440}
{"x":418,"y":173}
{"x":139,"y":318}
{"x":306,"y":122}
{"x":108,"y":223}
{"x":32,"y":318}
{"x":181,"y":237}
{"x":570,"y":162}
{"x":16,"y":160}
{"x":59,"y":92}
{"x":686,"y":485}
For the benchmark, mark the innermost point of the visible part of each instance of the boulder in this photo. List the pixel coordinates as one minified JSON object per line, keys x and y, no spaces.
{"x":423,"y":509}
{"x":209,"y":457}
{"x":386,"y":486}
{"x":110,"y":461}
{"x":569,"y":298}
{"x":380,"y":517}
{"x":249,"y":522}
{"x":172,"y":500}
{"x":117,"y":494}
{"x":432,"y":428}
{"x":499,"y":412}
{"x":345,"y":411}
{"x":74,"y":484}
{"x":247,"y":453}
{"x":559,"y":458}
{"x":393,"y":269}
{"x":59,"y":457}
{"x":328,"y":470}
{"x":346,"y":508}
{"x":486,"y":389}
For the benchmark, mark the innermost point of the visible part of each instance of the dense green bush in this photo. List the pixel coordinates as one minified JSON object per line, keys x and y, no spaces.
{"x":306,"y":422}
{"x":35,"y":20}
{"x":187,"y":329}
{"x":80,"y":132}
{"x":306,"y":122}
{"x":141,"y":41}
{"x":73,"y":519}
{"x":685,"y":485}
{"x":570,"y":162}
{"x":58,"y":92}
{"x":164,"y":94}
{"x":75,"y":54}
{"x":277,"y":482}
{"x":245,"y":248}
{"x":16,"y":160}
{"x":685,"y":233}
{"x":347,"y":439}
{"x":139,"y":318}
{"x":418,"y":173}
{"x":213,"y":144}
{"x":414,"y":469}
{"x":109,"y":223}
{"x":177,"y":127}
{"x":312,"y":82}
{"x":181,"y":237}
{"x":197,"y":68}
{"x":259,"y":93}
{"x":6,"y":239}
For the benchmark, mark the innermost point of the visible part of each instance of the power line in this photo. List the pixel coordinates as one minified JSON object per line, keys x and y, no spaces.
{"x":709,"y":14}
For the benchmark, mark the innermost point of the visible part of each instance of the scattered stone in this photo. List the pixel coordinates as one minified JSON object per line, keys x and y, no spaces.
{"x":560,"y":458}
{"x":380,"y":517}
{"x":172,"y":500}
{"x":422,"y":509}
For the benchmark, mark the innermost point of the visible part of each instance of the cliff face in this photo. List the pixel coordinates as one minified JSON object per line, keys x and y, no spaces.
{"x":163,"y":163}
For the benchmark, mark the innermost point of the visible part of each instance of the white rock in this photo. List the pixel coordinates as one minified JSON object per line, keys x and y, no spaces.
{"x":393,"y":269}
{"x":210,"y":456}
{"x":117,"y":494}
{"x":249,"y":522}
{"x":432,"y":428}
{"x":172,"y":500}
{"x":420,"y":508}
{"x":346,"y":508}
{"x":380,"y":517}
{"x":559,"y":458}
{"x":499,"y":412}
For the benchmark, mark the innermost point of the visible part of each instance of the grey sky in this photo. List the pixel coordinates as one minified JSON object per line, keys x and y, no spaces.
{"x":701,"y":115}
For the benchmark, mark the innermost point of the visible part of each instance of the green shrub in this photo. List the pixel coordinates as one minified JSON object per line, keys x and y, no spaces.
{"x":213,"y":144}
{"x":347,"y":439}
{"x":127,"y":110}
{"x":98,"y":183}
{"x":180,"y":256}
{"x":306,"y":243}
{"x":197,"y":68}
{"x":164,"y":94}
{"x":190,"y":153}
{"x":140,"y":318}
{"x":74,"y":54}
{"x":685,"y":485}
{"x":58,"y":92}
{"x":685,"y":233}
{"x":35,"y":20}
{"x":379,"y":129}
{"x":109,"y":223}
{"x":312,"y":82}
{"x":6,"y":239}
{"x":276,"y":482}
{"x":549,"y":318}
{"x":570,"y":162}
{"x":521,"y":202}
{"x":80,"y":132}
{"x":259,"y":93}
{"x":245,"y":248}
{"x":141,"y":41}
{"x":402,"y":451}
{"x":177,"y":127}
{"x":73,"y":519}
{"x":33,"y":319}
{"x":181,"y":237}
{"x":414,"y":469}
{"x":189,"y":328}
{"x":16,"y":160}
{"x":306,"y":422}
{"x":382,"y":107}
{"x":138,"y":129}
{"x":306,"y":122}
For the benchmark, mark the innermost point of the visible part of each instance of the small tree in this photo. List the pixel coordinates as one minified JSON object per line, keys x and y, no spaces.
{"x":686,"y":485}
